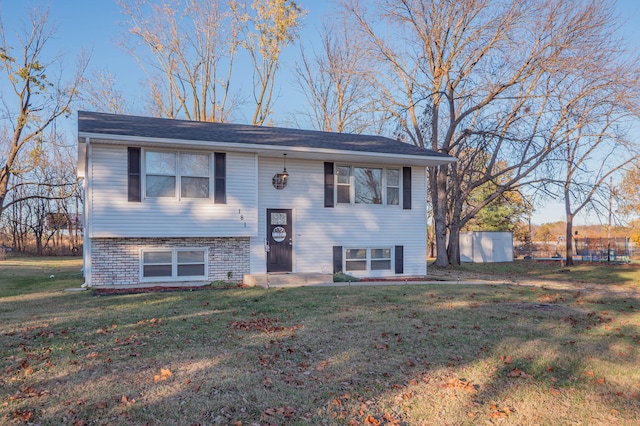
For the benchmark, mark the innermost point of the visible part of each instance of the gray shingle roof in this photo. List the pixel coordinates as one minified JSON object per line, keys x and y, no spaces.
{"x":163,"y":128}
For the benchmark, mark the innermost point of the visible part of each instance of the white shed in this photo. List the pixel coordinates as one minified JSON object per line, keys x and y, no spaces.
{"x":486,"y":246}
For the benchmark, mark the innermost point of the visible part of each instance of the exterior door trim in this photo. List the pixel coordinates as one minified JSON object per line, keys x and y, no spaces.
{"x":280,"y":240}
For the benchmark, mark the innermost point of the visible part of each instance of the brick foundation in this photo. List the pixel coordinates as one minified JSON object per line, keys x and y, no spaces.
{"x":116,"y":261}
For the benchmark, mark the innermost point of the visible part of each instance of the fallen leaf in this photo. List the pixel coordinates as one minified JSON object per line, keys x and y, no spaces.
{"x":499,"y":413}
{"x":505,"y":359}
{"x":164,"y":375}
{"x":371,"y":420}
{"x":321,"y":365}
{"x":516,"y":372}
{"x":24,"y":415}
{"x":463,"y":384}
{"x":288,"y":411}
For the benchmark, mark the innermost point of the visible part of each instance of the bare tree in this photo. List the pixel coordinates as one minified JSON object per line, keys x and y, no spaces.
{"x":597,"y":150}
{"x":188,"y":49}
{"x":269,"y":27}
{"x":471,"y":78}
{"x":37,"y":205}
{"x":628,"y":191}
{"x":35,"y":100}
{"x":336,"y":82}
{"x":99,"y":93}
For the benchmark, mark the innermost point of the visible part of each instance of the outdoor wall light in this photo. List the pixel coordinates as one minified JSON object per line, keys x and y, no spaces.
{"x":279,"y":180}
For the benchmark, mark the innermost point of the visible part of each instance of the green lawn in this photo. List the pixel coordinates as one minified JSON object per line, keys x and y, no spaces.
{"x":412,"y":354}
{"x":594,"y":275}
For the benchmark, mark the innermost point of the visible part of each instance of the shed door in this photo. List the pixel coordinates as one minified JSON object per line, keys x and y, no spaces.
{"x":280,"y":238}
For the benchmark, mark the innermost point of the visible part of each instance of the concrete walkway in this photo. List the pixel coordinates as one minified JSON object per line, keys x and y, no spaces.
{"x":387,"y":283}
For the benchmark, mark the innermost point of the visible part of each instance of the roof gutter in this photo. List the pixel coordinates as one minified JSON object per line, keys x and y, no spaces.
{"x":271,"y":150}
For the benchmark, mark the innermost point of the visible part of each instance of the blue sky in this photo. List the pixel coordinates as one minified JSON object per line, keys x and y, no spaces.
{"x":96,"y":25}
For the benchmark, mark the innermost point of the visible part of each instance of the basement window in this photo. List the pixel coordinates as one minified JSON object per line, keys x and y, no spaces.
{"x":367,"y":259}
{"x":181,"y":264}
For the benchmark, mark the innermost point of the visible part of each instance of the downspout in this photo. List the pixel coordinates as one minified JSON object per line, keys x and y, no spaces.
{"x":86,"y":241}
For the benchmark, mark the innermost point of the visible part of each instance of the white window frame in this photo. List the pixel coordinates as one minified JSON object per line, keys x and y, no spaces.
{"x":352,"y":185}
{"x":372,"y":259}
{"x":174,"y":264}
{"x":388,"y":186}
{"x":368,"y":260}
{"x":348,"y":184}
{"x":178,"y":175}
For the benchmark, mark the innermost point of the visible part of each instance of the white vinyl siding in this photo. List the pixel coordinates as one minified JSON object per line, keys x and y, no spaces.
{"x":316,"y":229}
{"x":112,"y":215}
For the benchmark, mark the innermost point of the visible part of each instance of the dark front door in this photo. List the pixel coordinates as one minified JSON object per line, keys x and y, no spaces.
{"x":280,"y":238}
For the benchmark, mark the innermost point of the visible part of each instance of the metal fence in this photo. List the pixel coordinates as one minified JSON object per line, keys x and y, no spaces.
{"x":603,"y":249}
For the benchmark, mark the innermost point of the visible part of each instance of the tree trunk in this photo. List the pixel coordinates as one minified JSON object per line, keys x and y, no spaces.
{"x":568,"y":261}
{"x":453,"y":249}
{"x":439,"y":201}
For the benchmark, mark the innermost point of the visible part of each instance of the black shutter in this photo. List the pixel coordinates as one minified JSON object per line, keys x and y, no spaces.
{"x":337,"y":259}
{"x":406,"y":188}
{"x":399,"y":259}
{"x":133,"y":170}
{"x":220,"y":178}
{"x":328,"y":185}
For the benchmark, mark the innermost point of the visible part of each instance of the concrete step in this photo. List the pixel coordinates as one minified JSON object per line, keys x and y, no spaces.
{"x":287,"y":279}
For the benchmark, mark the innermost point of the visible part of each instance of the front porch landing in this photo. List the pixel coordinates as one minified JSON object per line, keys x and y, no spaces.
{"x":287,"y":279}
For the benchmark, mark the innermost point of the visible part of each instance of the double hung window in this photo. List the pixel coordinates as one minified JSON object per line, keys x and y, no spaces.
{"x":367,"y":259}
{"x":177,"y":175}
{"x":174,"y":264}
{"x":393,"y":186}
{"x":344,"y":184}
{"x":368,"y":185}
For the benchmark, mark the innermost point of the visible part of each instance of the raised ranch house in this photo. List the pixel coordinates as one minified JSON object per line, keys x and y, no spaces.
{"x":172,"y":202}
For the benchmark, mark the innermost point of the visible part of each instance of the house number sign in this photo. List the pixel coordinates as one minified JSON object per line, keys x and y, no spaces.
{"x":279,"y":234}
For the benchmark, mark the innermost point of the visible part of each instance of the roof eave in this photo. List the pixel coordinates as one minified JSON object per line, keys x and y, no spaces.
{"x":274,"y":150}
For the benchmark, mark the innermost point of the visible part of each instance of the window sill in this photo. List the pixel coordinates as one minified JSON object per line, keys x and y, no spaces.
{"x":172,"y":281}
